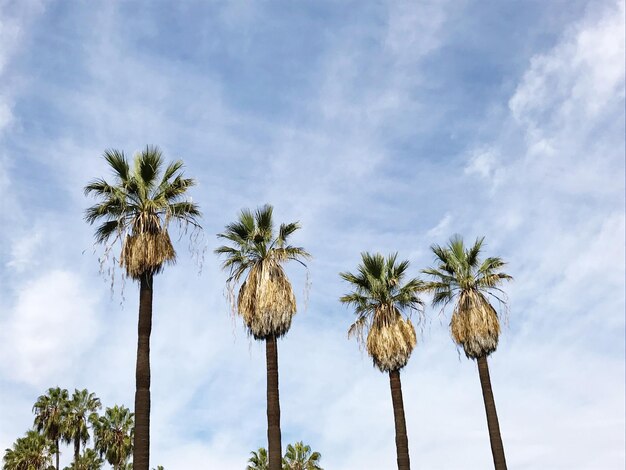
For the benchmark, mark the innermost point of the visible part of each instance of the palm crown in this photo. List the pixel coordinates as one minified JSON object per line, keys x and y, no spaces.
{"x":113,"y":435}
{"x":461,"y":276}
{"x":81,"y":408}
{"x":266,"y":300}
{"x":32,"y":452}
{"x":138,"y":207}
{"x":50,"y":411}
{"x":300,"y":457}
{"x":379,"y":298}
{"x":258,"y":460}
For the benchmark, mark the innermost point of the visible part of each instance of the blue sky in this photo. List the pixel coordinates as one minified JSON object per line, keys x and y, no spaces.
{"x":380,"y":126}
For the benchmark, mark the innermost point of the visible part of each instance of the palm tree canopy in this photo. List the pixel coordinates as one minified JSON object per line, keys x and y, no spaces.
{"x":461,"y":276}
{"x":50,"y":413}
{"x":266,"y":301}
{"x":300,"y":457}
{"x":258,"y":460}
{"x":113,"y":434}
{"x":81,"y":408}
{"x":88,"y":461}
{"x":138,"y":206}
{"x":379,"y":298}
{"x":31,"y":452}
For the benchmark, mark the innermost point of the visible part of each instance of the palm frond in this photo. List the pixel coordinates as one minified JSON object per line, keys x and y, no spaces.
{"x":117,"y":161}
{"x":264,"y":222}
{"x":284,"y":231}
{"x":148,"y":165}
{"x":187,"y":212}
{"x":473,"y":252}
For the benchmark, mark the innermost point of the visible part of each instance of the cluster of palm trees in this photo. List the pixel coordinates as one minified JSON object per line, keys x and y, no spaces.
{"x":137,"y":209}
{"x":298,"y":456}
{"x":61,"y":419}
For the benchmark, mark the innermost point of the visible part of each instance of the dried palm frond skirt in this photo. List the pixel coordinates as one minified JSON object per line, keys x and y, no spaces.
{"x":146,"y":253}
{"x":475,"y":325}
{"x":390,"y":344}
{"x":266,"y":301}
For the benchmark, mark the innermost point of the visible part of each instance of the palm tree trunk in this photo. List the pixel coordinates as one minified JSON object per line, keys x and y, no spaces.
{"x":402,"y":441}
{"x":141,"y":448}
{"x":497,"y":449}
{"x":76,"y":448}
{"x":273,"y":405}
{"x":56,"y":450}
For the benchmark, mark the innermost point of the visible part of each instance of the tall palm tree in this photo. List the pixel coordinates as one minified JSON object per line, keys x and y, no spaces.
{"x":137,"y":209}
{"x":258,"y":460}
{"x":50,"y":416}
{"x":463,"y":278}
{"x":380,"y":298}
{"x":300,"y":457}
{"x":265,"y":300}
{"x":82,"y":405}
{"x":88,"y":461}
{"x":31,"y":452}
{"x":113,"y":435}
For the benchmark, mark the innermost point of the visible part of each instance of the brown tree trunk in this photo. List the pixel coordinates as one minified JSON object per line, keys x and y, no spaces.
{"x":141,"y":448}
{"x":273,"y":405}
{"x":76,"y":448}
{"x":56,"y":448}
{"x":402,"y":440}
{"x":497,"y":449}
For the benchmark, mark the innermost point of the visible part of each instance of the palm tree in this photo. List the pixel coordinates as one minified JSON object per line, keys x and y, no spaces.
{"x":463,"y":278}
{"x":379,"y":300}
{"x":265,"y":299}
{"x":299,"y":457}
{"x":113,"y":435}
{"x":50,"y":413}
{"x":81,"y":407}
{"x":88,"y":461}
{"x":31,"y":452}
{"x":258,"y":460}
{"x":137,"y":209}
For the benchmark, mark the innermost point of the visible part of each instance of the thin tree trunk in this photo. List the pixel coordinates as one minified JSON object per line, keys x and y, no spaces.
{"x":76,"y":448}
{"x":402,"y":440}
{"x":497,"y":449}
{"x":141,"y":448}
{"x":56,"y":447}
{"x":273,"y":405}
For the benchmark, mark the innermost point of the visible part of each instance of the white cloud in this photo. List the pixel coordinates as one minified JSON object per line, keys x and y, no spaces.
{"x":24,"y":250}
{"x":442,"y":228}
{"x":51,"y":325}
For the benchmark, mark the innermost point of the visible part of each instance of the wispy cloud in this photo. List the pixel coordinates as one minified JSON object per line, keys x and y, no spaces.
{"x":384,"y":127}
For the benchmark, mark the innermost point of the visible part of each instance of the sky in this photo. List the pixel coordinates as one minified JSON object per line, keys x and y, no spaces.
{"x":379,"y":126}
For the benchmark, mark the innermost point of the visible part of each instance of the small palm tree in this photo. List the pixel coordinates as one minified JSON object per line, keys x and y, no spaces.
{"x":137,"y":209}
{"x":113,"y":435}
{"x":88,"y":461}
{"x":31,"y":452}
{"x":81,"y":407}
{"x":258,"y":460}
{"x":462,"y":278}
{"x":300,"y":457}
{"x":50,"y":416}
{"x":265,"y":300}
{"x":379,"y":299}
